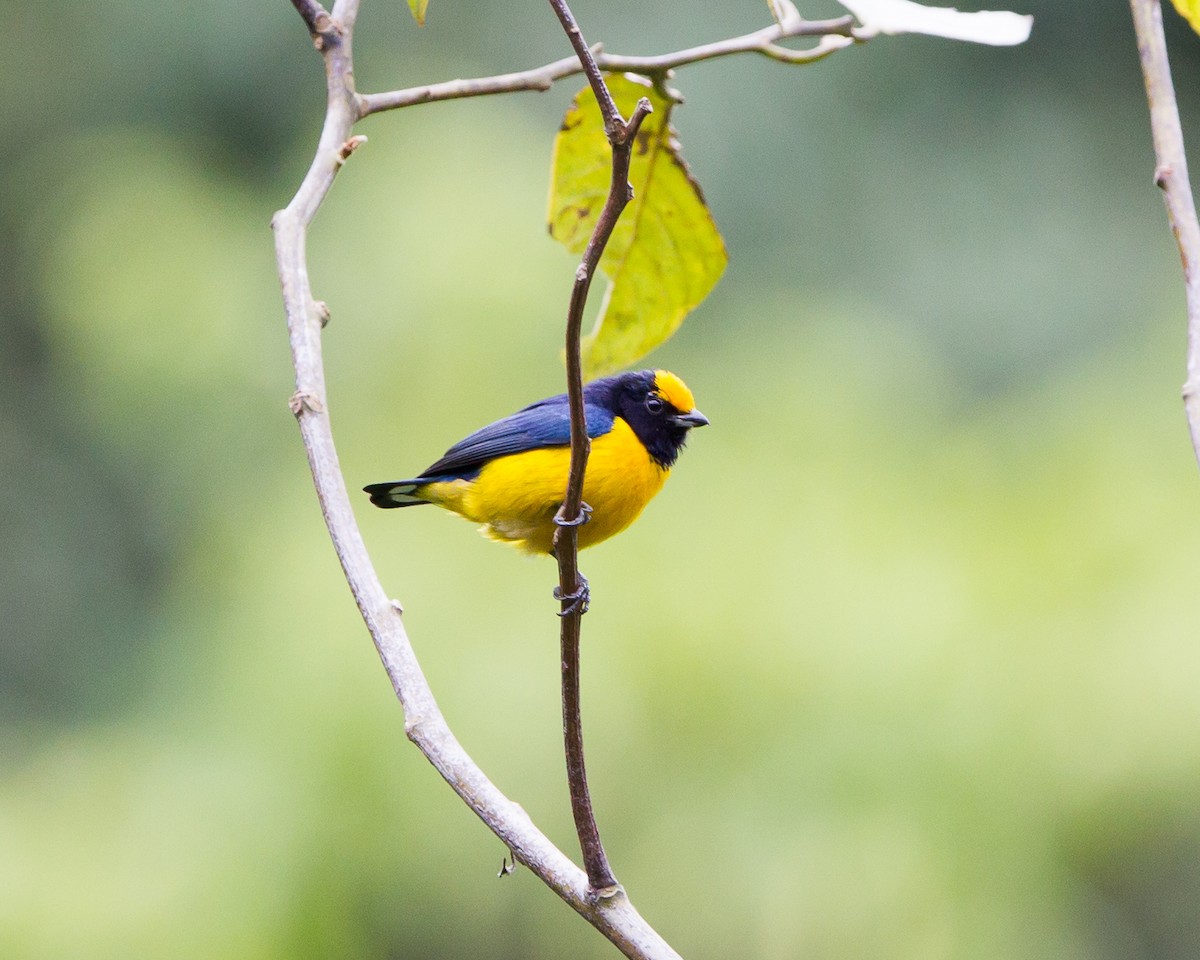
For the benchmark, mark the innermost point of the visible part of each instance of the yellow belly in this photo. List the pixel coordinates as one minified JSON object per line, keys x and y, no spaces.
{"x":515,"y":497}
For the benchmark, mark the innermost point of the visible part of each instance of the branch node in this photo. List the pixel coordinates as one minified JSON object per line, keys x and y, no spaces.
{"x":608,"y":893}
{"x":323,"y":314}
{"x":397,"y":606}
{"x":347,"y":148}
{"x":581,"y":273}
{"x":302,"y":402}
{"x":1162,"y":174}
{"x":414,"y":727}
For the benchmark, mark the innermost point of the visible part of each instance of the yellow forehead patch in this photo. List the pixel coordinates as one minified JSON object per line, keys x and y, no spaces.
{"x":674,"y":391}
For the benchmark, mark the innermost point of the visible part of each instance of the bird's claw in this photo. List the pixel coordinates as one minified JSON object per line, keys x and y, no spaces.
{"x":579,"y":599}
{"x":585,"y":514}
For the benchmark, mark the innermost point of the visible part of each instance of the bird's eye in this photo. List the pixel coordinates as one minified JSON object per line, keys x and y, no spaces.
{"x":654,"y":404}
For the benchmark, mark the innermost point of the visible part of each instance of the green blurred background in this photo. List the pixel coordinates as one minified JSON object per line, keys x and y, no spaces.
{"x":903,"y":663}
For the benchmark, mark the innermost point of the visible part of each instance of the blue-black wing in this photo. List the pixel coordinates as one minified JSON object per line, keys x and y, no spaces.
{"x":543,"y":424}
{"x":546,"y":423}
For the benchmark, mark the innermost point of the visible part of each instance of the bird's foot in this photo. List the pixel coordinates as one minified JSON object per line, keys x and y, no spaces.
{"x":585,"y":514}
{"x":578,"y":600}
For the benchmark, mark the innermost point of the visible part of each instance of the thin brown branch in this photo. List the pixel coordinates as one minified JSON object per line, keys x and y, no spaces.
{"x":614,"y":123}
{"x":313,"y":14}
{"x":572,"y":587}
{"x":321,"y":26}
{"x":834,"y":34}
{"x":1171,"y":175}
{"x":615,"y":917}
{"x":840,"y":30}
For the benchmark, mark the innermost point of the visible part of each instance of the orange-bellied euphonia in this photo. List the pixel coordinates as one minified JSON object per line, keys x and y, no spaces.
{"x":511,"y":475}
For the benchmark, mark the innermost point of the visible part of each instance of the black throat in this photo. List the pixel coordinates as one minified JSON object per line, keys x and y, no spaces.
{"x":662,"y":439}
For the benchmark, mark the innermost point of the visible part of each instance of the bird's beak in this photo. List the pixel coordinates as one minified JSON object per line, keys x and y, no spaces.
{"x":693,"y":418}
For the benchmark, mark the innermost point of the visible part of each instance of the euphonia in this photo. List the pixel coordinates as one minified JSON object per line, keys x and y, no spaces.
{"x":511,"y":475}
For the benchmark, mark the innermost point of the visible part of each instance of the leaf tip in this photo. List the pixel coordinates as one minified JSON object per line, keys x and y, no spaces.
{"x":418,"y":8}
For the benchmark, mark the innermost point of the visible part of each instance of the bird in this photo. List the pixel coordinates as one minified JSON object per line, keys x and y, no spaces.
{"x":510,"y":477}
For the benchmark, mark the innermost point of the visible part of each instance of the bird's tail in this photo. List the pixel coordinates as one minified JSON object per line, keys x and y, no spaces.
{"x":398,"y":493}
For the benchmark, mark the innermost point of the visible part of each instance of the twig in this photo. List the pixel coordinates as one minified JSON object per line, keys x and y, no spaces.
{"x":834,"y":34}
{"x":614,"y":916}
{"x":1171,"y":176}
{"x":320,"y":24}
{"x":572,"y":588}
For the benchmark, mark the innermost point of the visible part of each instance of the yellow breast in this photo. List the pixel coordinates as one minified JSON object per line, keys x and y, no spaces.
{"x":515,"y":497}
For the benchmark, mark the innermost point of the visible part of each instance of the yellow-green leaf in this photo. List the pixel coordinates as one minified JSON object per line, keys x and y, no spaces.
{"x":418,"y":8}
{"x":1190,"y":11}
{"x":665,"y":254}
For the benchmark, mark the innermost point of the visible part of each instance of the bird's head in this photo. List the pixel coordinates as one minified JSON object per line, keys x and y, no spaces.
{"x":660,"y":409}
